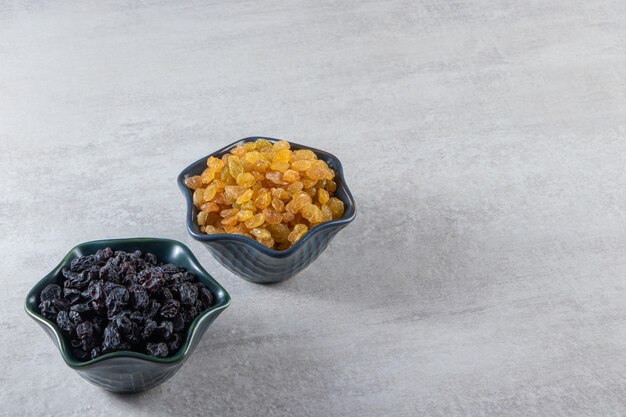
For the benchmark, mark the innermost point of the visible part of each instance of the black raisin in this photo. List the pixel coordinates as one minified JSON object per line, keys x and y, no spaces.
{"x":139,"y":297}
{"x":174,"y":343}
{"x":123,"y":323}
{"x":178,"y":322}
{"x":112,"y":339}
{"x":80,"y":354}
{"x":165,"y":330}
{"x":151,"y":258}
{"x":117,"y":299}
{"x":95,"y":352}
{"x":65,"y":323}
{"x":84,"y":330}
{"x":50,"y":292}
{"x":158,"y":350}
{"x":170,"y":309}
{"x":113,"y":301}
{"x":48,"y":309}
{"x":206,"y":297}
{"x":104,"y":255}
{"x":188,"y":293}
{"x":148,"y":329}
{"x":72,"y":295}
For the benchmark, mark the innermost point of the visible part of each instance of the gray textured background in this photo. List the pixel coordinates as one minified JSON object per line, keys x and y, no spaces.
{"x":484,"y":141}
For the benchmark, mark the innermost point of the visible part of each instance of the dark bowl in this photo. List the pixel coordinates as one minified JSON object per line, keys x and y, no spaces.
{"x":247,"y":257}
{"x":127,"y":371}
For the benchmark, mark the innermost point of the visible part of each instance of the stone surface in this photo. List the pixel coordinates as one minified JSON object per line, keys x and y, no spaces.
{"x":484,"y":141}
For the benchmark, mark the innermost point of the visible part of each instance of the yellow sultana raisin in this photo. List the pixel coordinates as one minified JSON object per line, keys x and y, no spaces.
{"x":322,"y":196}
{"x":336,"y":207}
{"x":193,"y":182}
{"x":298,"y":231}
{"x":278,"y":204}
{"x":267,"y":187}
{"x":263,"y":199}
{"x":279,"y":232}
{"x":282,"y":155}
{"x":198,"y":197}
{"x":281,"y":144}
{"x":245,"y":215}
{"x":312,"y":213}
{"x":291,"y":176}
{"x":209,"y":192}
{"x":272,"y":216}
{"x":281,"y":167}
{"x":301,"y":165}
{"x":256,"y":221}
{"x":245,"y":196}
{"x":210,"y":207}
{"x":260,"y":233}
{"x":202,"y":216}
{"x":246,"y":180}
{"x":327,"y":215}
{"x":211,"y":230}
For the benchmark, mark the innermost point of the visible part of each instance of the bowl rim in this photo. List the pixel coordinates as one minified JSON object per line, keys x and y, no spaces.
{"x":182,"y":352}
{"x":253,"y":243}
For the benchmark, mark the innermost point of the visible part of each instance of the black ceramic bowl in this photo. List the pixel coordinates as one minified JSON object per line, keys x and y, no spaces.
{"x":248,"y":258}
{"x":127,"y":371}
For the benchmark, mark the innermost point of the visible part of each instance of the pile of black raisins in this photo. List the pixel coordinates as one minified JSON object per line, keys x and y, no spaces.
{"x":113,"y":301}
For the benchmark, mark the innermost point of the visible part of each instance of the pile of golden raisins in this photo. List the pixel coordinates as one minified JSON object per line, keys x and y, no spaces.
{"x":266,"y":192}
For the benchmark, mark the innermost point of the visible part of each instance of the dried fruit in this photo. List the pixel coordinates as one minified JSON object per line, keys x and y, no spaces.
{"x":114,"y":301}
{"x":194,"y":182}
{"x":336,"y":207}
{"x":265,"y":191}
{"x":298,"y":231}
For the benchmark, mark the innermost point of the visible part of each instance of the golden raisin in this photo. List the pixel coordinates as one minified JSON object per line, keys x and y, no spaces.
{"x":245,"y":215}
{"x":246,"y":180}
{"x":275,"y":177}
{"x":209,"y":207}
{"x":323,"y":196}
{"x":312,"y":213}
{"x":202,"y":218}
{"x":279,"y":232}
{"x":209,"y":192}
{"x":280,"y":166}
{"x":263,"y":199}
{"x":304,"y":154}
{"x":265,"y":191}
{"x":198,"y":197}
{"x":291,"y":176}
{"x":295,"y":188}
{"x":301,"y":165}
{"x":245,"y":197}
{"x":278,"y":204}
{"x":272,"y":216}
{"x":215,"y":163}
{"x":193,"y":182}
{"x":283,"y":155}
{"x":256,"y":221}
{"x":230,"y":221}
{"x":260,"y":233}
{"x":281,"y":144}
{"x":288,"y":217}
{"x":336,"y":207}
{"x":327,"y":214}
{"x":249,"y":146}
{"x":298,"y":231}
{"x":211,"y":230}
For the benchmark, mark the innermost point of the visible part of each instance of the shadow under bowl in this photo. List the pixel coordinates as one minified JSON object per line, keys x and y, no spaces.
{"x":126,"y":371}
{"x":247,"y":257}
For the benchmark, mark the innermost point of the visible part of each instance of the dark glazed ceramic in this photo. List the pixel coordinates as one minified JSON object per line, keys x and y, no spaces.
{"x":131,"y":371}
{"x":248,"y":258}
